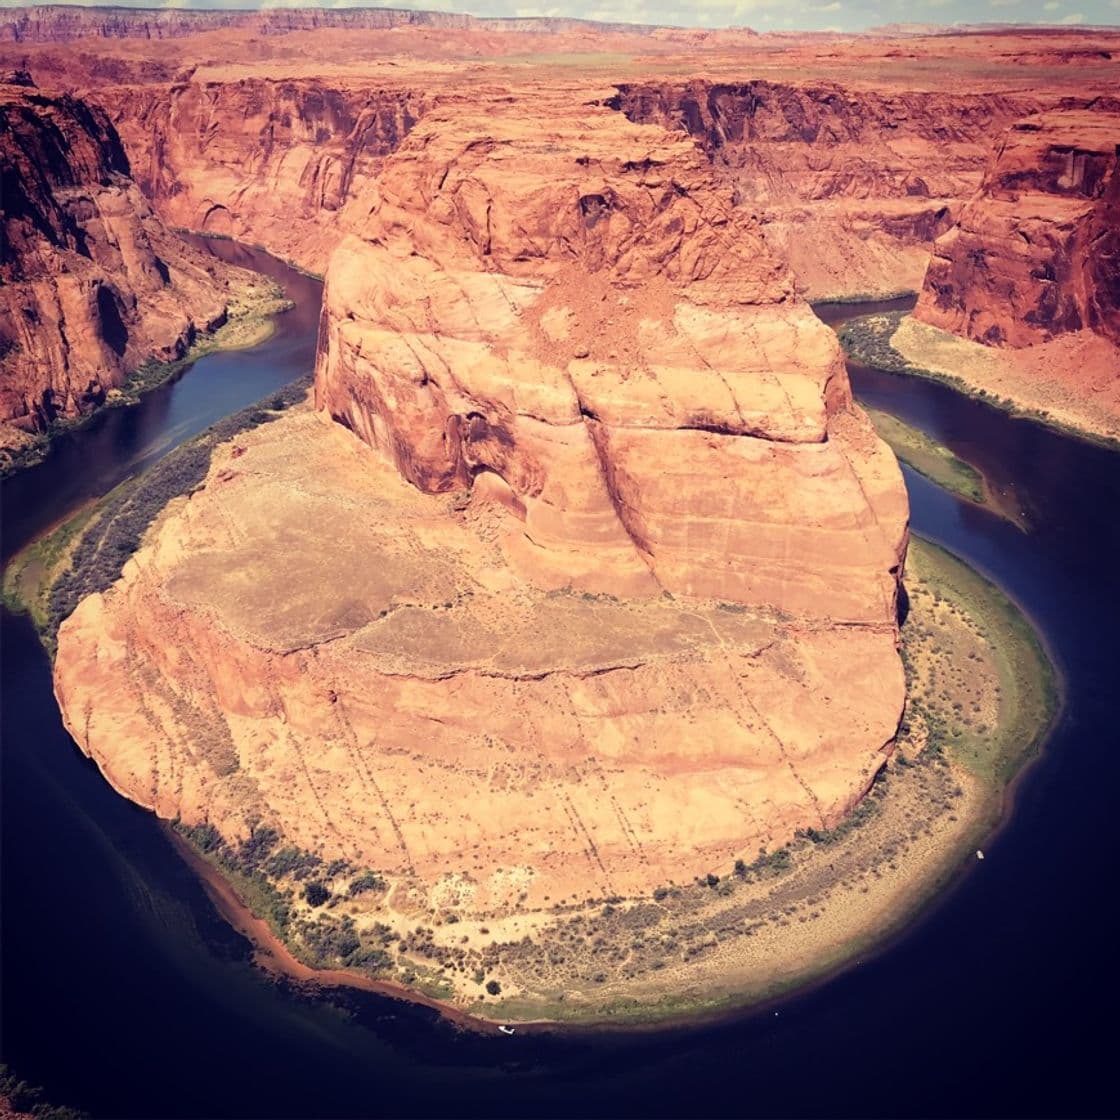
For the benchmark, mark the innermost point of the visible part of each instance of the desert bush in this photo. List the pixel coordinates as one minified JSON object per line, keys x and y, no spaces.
{"x":316,"y":893}
{"x":367,"y":881}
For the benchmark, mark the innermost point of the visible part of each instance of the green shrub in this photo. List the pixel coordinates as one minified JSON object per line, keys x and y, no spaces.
{"x":367,"y":881}
{"x":316,"y":893}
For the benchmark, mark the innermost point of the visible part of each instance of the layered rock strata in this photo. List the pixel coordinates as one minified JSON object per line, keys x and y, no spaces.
{"x":1036,"y":251}
{"x":597,"y":592}
{"x":92,"y":284}
{"x":852,"y":185}
{"x":54,"y":23}
{"x":259,"y":160}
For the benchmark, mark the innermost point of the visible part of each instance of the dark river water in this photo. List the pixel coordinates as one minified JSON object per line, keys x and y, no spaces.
{"x":124,"y":993}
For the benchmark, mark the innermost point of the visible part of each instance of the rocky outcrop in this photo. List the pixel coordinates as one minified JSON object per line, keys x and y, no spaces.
{"x":577,"y":311}
{"x":583,"y":578}
{"x":1036,"y":251}
{"x":92,"y":284}
{"x":852,"y":186}
{"x":264,"y":161}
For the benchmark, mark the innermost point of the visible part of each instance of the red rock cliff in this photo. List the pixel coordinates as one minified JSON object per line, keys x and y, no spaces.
{"x":259,"y":160}
{"x":91,"y":282}
{"x":1036,"y":251}
{"x":568,"y":311}
{"x":852,"y":186}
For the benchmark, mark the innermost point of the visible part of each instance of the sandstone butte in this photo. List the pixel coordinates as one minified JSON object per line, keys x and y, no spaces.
{"x":598,"y":592}
{"x":92,"y":283}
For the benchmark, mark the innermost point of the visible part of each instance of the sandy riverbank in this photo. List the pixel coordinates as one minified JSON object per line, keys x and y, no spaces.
{"x":1070,"y":383}
{"x":273,"y":956}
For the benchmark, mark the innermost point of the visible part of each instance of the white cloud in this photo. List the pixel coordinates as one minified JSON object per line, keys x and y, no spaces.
{"x":1051,"y":5}
{"x":1003,"y":3}
{"x":1073,"y":17}
{"x":835,"y":6}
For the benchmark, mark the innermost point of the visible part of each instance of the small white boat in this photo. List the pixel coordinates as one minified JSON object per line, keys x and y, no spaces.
{"x":504,"y":1029}
{"x":979,"y":854}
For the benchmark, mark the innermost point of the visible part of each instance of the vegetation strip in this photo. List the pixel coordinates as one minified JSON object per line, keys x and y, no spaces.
{"x":929,"y":458}
{"x":867,"y":341}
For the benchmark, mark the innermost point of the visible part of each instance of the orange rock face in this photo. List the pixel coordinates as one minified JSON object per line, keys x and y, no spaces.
{"x":91,"y":282}
{"x":570,"y":305}
{"x":1036,"y":252}
{"x":852,"y":186}
{"x":263,"y":161}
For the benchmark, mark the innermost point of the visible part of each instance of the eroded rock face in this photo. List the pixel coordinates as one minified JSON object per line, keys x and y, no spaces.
{"x":1036,"y":252}
{"x":260,"y":160}
{"x":852,"y":186}
{"x":575,"y":309}
{"x":92,"y":284}
{"x":597,"y":592}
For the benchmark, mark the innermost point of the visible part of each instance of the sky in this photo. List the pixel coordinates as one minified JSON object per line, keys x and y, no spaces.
{"x":763,"y":15}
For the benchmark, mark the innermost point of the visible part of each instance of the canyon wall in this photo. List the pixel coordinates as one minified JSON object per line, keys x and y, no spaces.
{"x":1035,"y":252}
{"x":262,"y":161}
{"x":93,"y":284}
{"x":55,"y":23}
{"x":852,"y":186}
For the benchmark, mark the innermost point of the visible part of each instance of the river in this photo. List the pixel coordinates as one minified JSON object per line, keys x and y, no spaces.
{"x":126,"y":995}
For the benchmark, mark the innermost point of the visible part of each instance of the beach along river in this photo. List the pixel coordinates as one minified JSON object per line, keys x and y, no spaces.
{"x":125,"y":994}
